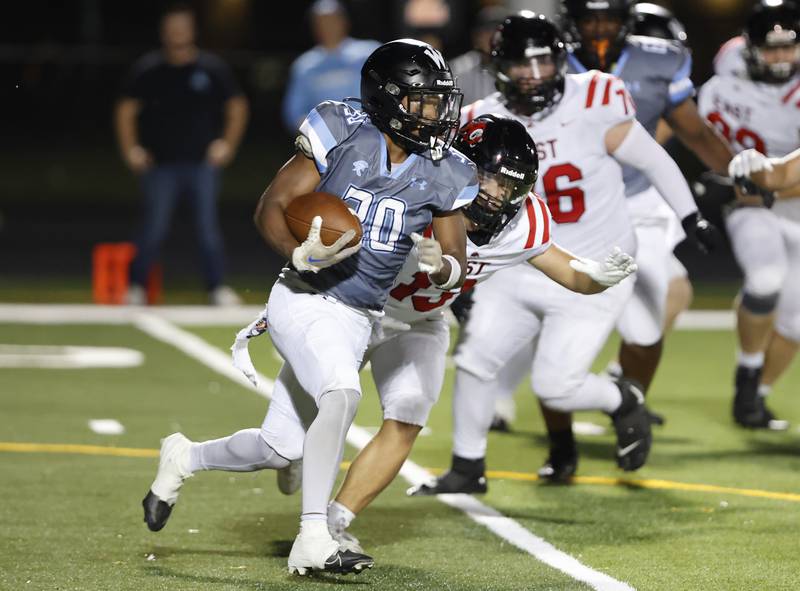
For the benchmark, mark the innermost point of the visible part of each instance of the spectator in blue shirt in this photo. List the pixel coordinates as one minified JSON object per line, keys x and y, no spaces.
{"x":329,"y":71}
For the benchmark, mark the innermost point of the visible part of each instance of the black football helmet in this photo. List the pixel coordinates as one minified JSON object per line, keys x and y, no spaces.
{"x":773,"y":24}
{"x":409,"y":93}
{"x":529,"y":59}
{"x":508,"y":166}
{"x":602,"y":51}
{"x":652,"y":20}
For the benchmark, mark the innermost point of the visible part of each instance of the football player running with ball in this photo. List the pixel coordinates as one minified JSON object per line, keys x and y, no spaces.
{"x":584,"y":126}
{"x":755,"y":102}
{"x":392,"y":164}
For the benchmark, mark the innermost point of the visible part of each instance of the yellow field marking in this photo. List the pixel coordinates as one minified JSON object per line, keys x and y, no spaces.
{"x":89,"y":450}
{"x":651,"y":483}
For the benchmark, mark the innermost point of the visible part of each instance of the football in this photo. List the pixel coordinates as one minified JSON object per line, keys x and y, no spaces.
{"x":337,"y":218}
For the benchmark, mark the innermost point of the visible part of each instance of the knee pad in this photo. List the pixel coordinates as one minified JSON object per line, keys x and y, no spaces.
{"x":759,"y":304}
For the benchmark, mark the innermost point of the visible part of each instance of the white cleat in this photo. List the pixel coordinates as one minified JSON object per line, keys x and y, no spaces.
{"x":172,"y":471}
{"x":290,"y":478}
{"x":315,"y":549}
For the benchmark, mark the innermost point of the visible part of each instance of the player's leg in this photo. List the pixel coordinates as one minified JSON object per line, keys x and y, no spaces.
{"x":279,"y":441}
{"x":323,"y":341}
{"x":641,"y":322}
{"x":562,"y":457}
{"x":760,"y":251}
{"x":506,"y":383}
{"x":785,"y":340}
{"x":204,"y":186}
{"x":573,"y":331}
{"x":500,"y":324}
{"x":679,"y":294}
{"x":160,"y":191}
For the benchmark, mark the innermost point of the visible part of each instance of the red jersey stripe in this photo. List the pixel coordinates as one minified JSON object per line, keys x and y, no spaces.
{"x":546,"y":221}
{"x":592,"y":88}
{"x":532,"y":222}
{"x":607,"y":94}
{"x":789,"y":94}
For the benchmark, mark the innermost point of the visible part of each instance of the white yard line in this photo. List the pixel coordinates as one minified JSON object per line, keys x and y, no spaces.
{"x":239,"y":315}
{"x":504,"y":527}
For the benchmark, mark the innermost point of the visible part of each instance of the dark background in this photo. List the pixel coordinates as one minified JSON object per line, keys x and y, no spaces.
{"x":63,"y":187}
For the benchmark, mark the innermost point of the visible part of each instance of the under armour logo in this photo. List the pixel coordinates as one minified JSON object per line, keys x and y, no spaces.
{"x":419,"y":183}
{"x":359,"y":166}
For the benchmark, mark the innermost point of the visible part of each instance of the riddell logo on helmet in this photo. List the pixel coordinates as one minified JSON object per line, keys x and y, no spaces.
{"x":444,"y":83}
{"x":512,"y":173}
{"x":597,"y":5}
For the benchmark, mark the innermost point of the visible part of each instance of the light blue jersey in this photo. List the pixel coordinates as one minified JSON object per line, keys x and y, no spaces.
{"x":392,"y":202}
{"x":657,"y":74}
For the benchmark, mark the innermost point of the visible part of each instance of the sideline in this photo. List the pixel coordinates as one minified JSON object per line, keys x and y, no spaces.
{"x":649,"y":483}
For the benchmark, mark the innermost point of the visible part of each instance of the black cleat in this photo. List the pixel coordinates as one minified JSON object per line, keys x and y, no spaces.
{"x":560,"y":467}
{"x":632,"y":424}
{"x":465,"y":476}
{"x":500,"y":425}
{"x":341,"y":562}
{"x":749,"y":408}
{"x":156,"y":512}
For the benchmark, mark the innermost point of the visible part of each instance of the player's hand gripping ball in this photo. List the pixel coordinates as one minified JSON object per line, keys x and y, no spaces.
{"x":328,"y":231}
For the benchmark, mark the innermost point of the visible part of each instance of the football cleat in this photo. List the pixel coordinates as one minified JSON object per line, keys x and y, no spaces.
{"x":318,"y":551}
{"x":749,"y":408}
{"x":172,"y":471}
{"x":290,"y":478}
{"x":464,"y":476}
{"x":347,"y":541}
{"x":632,"y":424}
{"x":561,"y":465}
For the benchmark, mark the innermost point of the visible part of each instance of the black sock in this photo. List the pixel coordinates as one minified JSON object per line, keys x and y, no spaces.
{"x":469,"y":467}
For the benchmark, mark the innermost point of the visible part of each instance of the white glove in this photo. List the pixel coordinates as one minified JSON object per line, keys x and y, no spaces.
{"x":239,"y":350}
{"x":746,"y":163}
{"x":312,"y":255}
{"x":617,"y":266}
{"x":429,"y":253}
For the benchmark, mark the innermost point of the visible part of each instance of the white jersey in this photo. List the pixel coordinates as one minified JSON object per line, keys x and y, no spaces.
{"x":756,"y":115}
{"x":579,"y":178}
{"x":527,"y":235}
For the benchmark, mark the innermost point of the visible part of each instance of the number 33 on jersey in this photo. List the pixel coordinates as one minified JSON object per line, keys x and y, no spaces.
{"x":580,"y":180}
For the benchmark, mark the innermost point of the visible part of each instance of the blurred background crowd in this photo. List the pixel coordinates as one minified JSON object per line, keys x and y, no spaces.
{"x":76,"y":74}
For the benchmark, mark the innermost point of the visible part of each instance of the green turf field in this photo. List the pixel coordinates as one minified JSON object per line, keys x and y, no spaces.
{"x":72,"y":520}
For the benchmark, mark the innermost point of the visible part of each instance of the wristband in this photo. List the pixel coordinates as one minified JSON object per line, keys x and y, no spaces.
{"x":455,"y":274}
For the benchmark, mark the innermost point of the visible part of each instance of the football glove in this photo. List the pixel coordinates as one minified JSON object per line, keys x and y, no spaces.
{"x":429,"y":253}
{"x":312,"y":255}
{"x":616,"y":267}
{"x":746,"y":163}
{"x":702,"y":233}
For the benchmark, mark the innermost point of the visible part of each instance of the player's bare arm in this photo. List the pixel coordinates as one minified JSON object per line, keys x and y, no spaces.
{"x":297,"y":177}
{"x":583,"y":275}
{"x":700,"y":136}
{"x":125,"y":115}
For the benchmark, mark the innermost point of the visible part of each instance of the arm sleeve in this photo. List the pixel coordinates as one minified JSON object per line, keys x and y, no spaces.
{"x":641,"y":151}
{"x":681,"y":86}
{"x":326,"y":126}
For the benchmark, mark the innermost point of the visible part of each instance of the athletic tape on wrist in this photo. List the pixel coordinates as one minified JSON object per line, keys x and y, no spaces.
{"x":455,"y":273}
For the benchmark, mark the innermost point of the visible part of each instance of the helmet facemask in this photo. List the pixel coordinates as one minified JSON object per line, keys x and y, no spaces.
{"x":499,"y":198}
{"x":776,"y":61}
{"x":425,"y":119}
{"x":535,"y":83}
